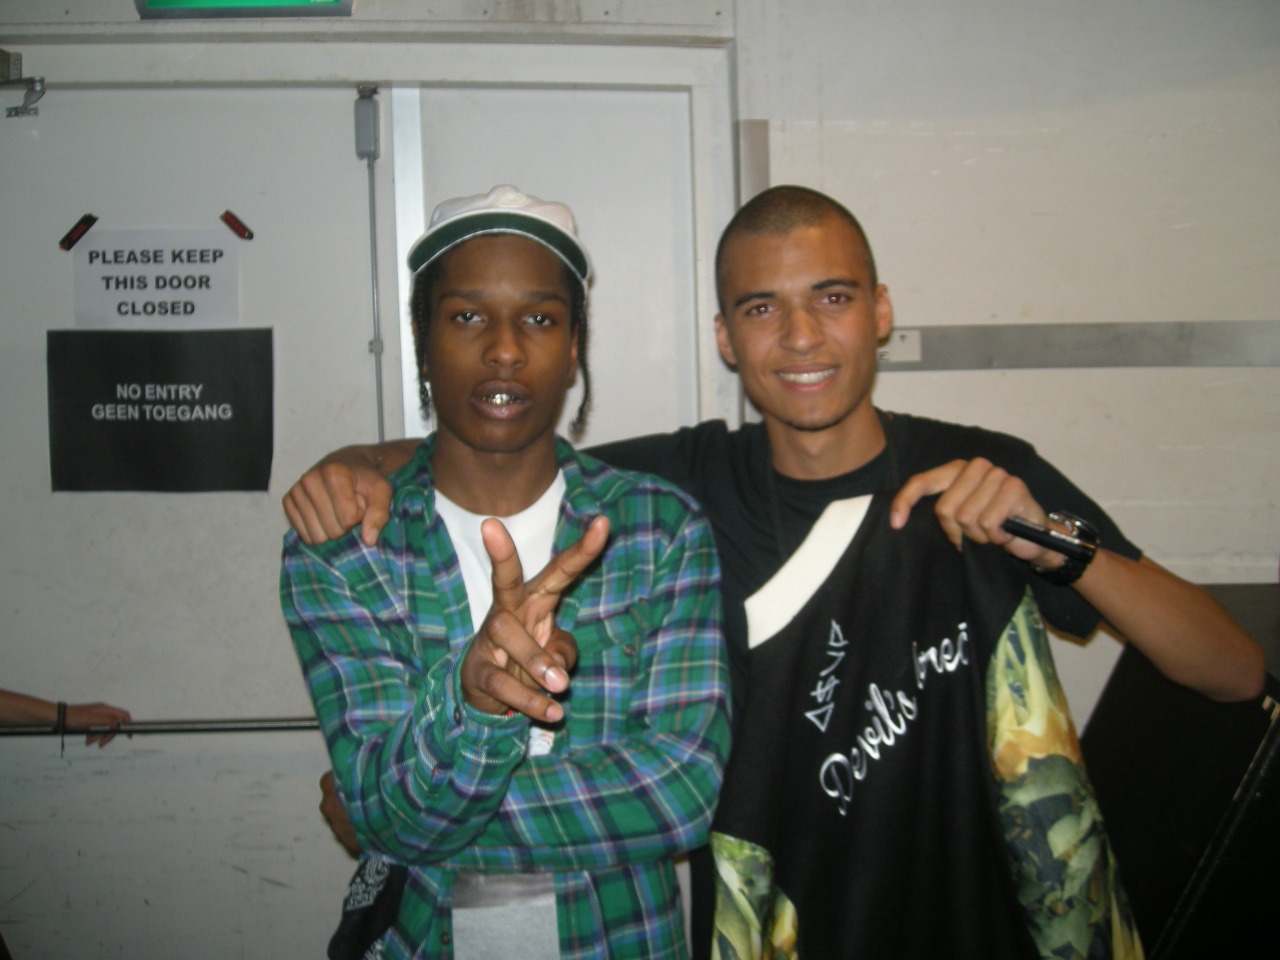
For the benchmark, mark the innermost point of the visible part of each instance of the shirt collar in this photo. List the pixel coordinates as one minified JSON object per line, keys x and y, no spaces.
{"x":415,"y":490}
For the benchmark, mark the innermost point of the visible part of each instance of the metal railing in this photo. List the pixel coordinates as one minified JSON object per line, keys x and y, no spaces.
{"x":137,"y":727}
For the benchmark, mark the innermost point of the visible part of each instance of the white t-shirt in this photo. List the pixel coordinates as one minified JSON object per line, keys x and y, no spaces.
{"x":533,"y":530}
{"x":499,"y":917}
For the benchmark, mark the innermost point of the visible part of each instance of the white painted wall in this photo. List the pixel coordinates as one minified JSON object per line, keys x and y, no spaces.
{"x":1056,"y":162}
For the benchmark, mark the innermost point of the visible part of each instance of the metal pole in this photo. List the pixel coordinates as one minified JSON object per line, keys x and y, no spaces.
{"x":136,"y":727}
{"x":368,"y":149}
{"x":375,"y":345}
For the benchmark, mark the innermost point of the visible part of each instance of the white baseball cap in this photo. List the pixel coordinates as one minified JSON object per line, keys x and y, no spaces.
{"x":504,"y":209}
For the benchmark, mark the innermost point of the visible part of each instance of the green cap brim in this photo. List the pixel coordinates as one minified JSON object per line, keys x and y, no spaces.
{"x":453,"y":232}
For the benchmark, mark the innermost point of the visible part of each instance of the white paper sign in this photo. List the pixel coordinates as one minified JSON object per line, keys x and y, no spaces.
{"x":157,"y":279}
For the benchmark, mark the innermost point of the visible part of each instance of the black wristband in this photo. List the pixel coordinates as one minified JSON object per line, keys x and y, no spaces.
{"x":60,"y":725}
{"x":1072,"y":568}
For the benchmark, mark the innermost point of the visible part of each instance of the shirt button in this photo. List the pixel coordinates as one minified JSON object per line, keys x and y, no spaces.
{"x":629,"y":649}
{"x":457,"y":715}
{"x":446,"y":939}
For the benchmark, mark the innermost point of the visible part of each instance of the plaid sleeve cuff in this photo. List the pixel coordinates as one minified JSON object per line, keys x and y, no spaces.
{"x":458,"y":719}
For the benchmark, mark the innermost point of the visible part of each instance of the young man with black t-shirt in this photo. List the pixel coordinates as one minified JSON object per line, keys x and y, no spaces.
{"x":905,"y":780}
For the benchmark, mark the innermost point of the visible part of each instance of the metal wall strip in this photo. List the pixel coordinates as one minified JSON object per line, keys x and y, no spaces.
{"x":1225,"y":343}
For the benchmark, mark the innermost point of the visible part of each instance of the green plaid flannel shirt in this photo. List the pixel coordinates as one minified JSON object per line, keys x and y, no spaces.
{"x":635,"y":769}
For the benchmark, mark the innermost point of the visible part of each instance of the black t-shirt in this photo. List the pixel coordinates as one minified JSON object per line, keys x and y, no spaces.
{"x":729,"y":473}
{"x":860,"y":791}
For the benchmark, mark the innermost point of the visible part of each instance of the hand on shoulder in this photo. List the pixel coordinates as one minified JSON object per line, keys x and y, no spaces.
{"x":346,"y":488}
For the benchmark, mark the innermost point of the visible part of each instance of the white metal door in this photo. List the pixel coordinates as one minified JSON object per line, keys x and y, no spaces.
{"x":622,"y":160}
{"x":167,"y":604}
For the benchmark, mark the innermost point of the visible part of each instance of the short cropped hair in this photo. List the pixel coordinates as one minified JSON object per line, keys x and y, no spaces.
{"x":780,"y":210}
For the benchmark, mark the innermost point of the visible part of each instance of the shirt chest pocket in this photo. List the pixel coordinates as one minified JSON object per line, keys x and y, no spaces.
{"x":611,"y":654}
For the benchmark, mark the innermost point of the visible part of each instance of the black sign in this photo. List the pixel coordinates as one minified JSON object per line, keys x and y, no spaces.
{"x":166,"y":411}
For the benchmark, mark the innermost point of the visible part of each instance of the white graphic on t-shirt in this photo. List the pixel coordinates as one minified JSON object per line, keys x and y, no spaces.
{"x":891,"y":713}
{"x":946,"y":657}
{"x":824,"y":690}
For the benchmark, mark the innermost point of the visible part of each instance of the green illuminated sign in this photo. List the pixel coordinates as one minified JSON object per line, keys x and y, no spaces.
{"x":220,"y":4}
{"x":161,"y":9}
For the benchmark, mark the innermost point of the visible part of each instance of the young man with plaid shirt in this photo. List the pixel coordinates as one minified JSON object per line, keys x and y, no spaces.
{"x":521,"y":760}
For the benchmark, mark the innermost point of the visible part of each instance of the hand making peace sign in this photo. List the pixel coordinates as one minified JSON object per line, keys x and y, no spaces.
{"x":519,"y":656}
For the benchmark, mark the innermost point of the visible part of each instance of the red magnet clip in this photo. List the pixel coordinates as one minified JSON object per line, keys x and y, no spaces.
{"x":237,"y":225}
{"x":72,"y":236}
